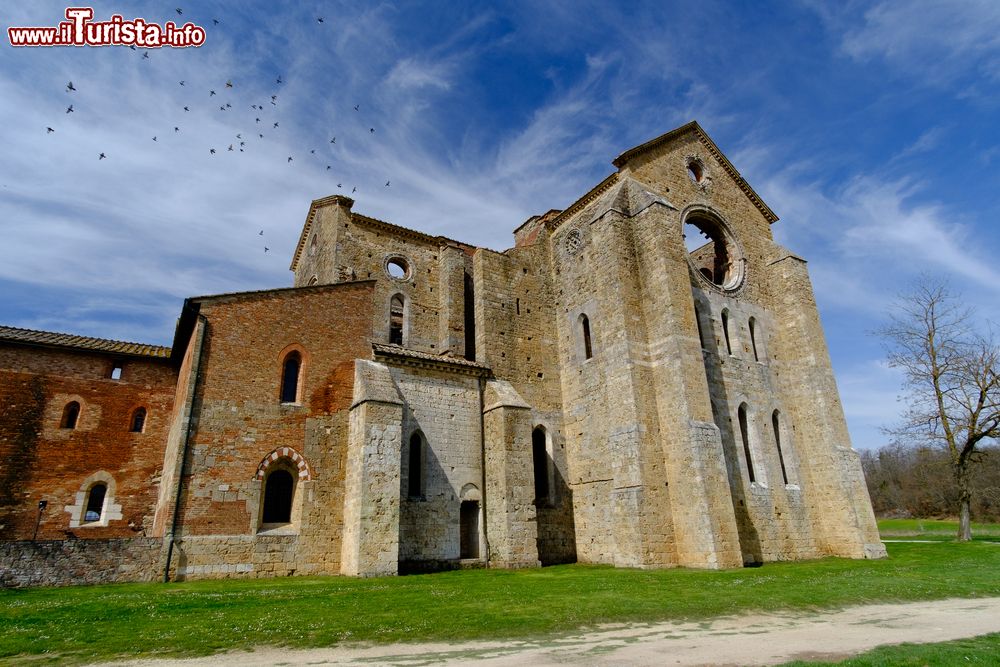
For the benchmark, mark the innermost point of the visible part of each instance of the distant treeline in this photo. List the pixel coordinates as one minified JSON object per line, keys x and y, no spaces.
{"x":919,"y":482}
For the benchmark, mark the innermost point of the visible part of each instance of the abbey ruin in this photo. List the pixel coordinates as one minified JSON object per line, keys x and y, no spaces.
{"x":642,"y":380}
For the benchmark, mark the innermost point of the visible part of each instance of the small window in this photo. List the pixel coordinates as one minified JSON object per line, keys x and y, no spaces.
{"x":95,"y":503}
{"x":745,"y":436}
{"x":540,"y":463}
{"x":290,"y":378}
{"x":725,"y":331}
{"x":138,"y":420}
{"x":695,"y":171}
{"x":397,"y":310}
{"x":279,"y":488}
{"x":314,"y":280}
{"x":776,"y":425}
{"x":397,"y":268}
{"x":116,"y":370}
{"x":588,"y":349}
{"x":752,"y":325}
{"x":415,"y":479}
{"x":70,"y":416}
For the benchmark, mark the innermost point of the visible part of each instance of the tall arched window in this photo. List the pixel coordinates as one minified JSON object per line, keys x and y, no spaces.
{"x":697,"y":321}
{"x":95,"y":502}
{"x":753,"y":338}
{"x":415,"y":474}
{"x":588,"y":349}
{"x":70,"y":415}
{"x":279,"y":488}
{"x":540,"y":464}
{"x":138,"y":420}
{"x":290,"y":377}
{"x":725,"y":330}
{"x":776,"y":425}
{"x":745,"y":436}
{"x":397,"y":311}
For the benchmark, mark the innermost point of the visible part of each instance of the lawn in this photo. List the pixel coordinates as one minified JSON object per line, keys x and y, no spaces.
{"x":77,"y":624}
{"x":973,"y":651}
{"x":934,"y":528}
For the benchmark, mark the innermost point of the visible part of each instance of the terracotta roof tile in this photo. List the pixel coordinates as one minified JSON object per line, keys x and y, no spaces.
{"x":72,"y":341}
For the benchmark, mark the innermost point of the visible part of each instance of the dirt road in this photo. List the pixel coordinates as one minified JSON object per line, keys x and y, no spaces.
{"x":737,"y":640}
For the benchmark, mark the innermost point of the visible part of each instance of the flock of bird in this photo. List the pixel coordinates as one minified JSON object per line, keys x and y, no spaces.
{"x":239,"y":142}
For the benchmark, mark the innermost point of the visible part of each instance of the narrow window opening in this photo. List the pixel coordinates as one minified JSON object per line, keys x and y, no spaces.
{"x":470,"y":319}
{"x":116,"y":371}
{"x":396,"y":310}
{"x":278,"y":490}
{"x":138,"y":420}
{"x":540,"y":461}
{"x":518,"y":305}
{"x":776,"y":425}
{"x":95,"y":503}
{"x":70,"y":416}
{"x":469,"y":533}
{"x":415,"y":481}
{"x":753,"y":338}
{"x":744,"y":434}
{"x":725,"y":331}
{"x":290,"y":378}
{"x":588,"y":350}
{"x":701,"y":333}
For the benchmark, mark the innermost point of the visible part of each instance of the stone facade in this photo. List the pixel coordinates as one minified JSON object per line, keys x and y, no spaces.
{"x":642,"y":380}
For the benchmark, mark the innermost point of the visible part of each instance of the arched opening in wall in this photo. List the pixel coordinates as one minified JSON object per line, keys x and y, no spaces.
{"x":290,"y":371}
{"x":776,"y":426}
{"x":138,"y":422}
{"x":94,"y":508}
{"x":397,"y":309}
{"x":745,"y":436}
{"x":712,"y":250}
{"x":470,"y":319}
{"x":397,"y":268}
{"x":541,"y":465}
{"x":752,"y":325}
{"x":725,"y":331}
{"x":314,"y":280}
{"x":469,"y":529}
{"x":415,"y":468}
{"x":588,"y":348}
{"x":279,"y":490}
{"x":70,"y":415}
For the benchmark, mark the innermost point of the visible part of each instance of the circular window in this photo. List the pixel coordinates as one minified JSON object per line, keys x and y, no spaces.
{"x":713,"y":252}
{"x":696,"y":170}
{"x":397,"y":268}
{"x":574,"y":241}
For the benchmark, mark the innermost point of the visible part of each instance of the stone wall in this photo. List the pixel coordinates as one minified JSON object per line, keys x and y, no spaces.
{"x":73,"y":562}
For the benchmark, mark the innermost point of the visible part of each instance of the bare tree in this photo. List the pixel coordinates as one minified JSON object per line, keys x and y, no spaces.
{"x":951,"y":372}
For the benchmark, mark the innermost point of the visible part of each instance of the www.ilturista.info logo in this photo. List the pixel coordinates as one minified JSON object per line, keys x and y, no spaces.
{"x":80,"y":30}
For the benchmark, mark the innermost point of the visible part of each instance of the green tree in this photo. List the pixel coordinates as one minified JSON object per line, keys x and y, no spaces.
{"x":951,"y":376}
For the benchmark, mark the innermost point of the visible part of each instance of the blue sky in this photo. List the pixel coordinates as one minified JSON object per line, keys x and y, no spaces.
{"x":870,"y":129}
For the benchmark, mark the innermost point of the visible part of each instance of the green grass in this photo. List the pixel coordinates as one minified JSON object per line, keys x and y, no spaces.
{"x":77,"y":624}
{"x":934,"y":529}
{"x":984,"y":650}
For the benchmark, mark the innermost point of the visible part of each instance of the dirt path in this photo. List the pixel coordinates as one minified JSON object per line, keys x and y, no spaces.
{"x":735,"y":640}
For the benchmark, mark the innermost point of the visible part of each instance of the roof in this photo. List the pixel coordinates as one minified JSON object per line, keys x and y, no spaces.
{"x":250,"y":294}
{"x":74,"y":342}
{"x":693,"y":126}
{"x":412,"y":357}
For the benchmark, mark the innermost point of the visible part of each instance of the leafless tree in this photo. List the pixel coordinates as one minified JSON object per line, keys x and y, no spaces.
{"x":951,"y":373}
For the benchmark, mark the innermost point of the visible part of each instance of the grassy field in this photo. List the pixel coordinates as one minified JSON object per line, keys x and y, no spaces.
{"x":934,"y":528}
{"x":77,"y":624}
{"x":983,"y":650}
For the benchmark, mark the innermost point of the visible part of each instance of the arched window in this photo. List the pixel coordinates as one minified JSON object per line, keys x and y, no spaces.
{"x":279,"y":488}
{"x":70,"y":415}
{"x":776,"y":425}
{"x":290,"y":377}
{"x":415,"y":475}
{"x":588,"y":349}
{"x":540,"y":463}
{"x":753,"y":338}
{"x":314,"y":280}
{"x":138,"y":420}
{"x":745,"y":436}
{"x":469,"y":529}
{"x":95,"y":502}
{"x":397,"y":310}
{"x":725,"y":330}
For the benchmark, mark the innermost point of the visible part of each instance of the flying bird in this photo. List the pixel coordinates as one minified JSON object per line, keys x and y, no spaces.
{"x":339,"y":185}
{"x":278,"y":80}
{"x":229,"y":84}
{"x":230,"y":148}
{"x":211,"y":92}
{"x":154,"y":138}
{"x":313,"y":151}
{"x":258,"y":120}
{"x":212,"y":151}
{"x":101,"y":157}
{"x":49,"y":130}
{"x":222,"y":107}
{"x":242,"y":144}
{"x":239,"y":136}
{"x":328,"y":167}
{"x":372,"y":130}
{"x":334,"y":140}
{"x":354,"y":189}
{"x":276,"y":125}
{"x":69,"y":87}
{"x":215,"y":21}
{"x":228,"y":105}
{"x":179,"y":11}
{"x":266,"y":248}
{"x":261,"y":136}
{"x":253,"y":106}
{"x":356,"y":107}
{"x":387,"y":184}
{"x":177,"y":129}
{"x":319,"y":19}
{"x":69,"y":109}
{"x":146,"y":55}
{"x":273,"y":98}
{"x":260,"y":233}
{"x":289,"y":158}
{"x":186,"y":109}
{"x":181,"y":82}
